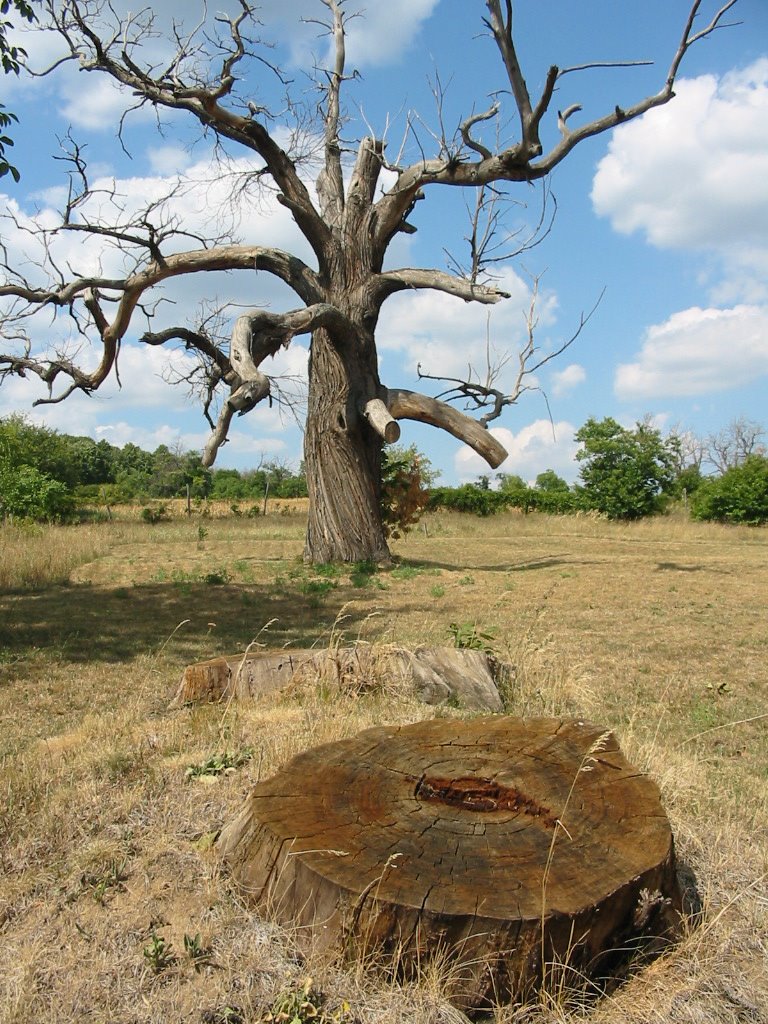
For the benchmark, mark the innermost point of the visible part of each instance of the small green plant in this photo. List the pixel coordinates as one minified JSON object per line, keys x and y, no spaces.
{"x":467,"y":636}
{"x":154,"y":514}
{"x":220,"y":764}
{"x":202,"y":533}
{"x":437,"y":590}
{"x":362,"y":573}
{"x":215,"y":578}
{"x":159,"y":953}
{"x":296,"y":1007}
{"x":112,"y":878}
{"x":329,"y":570}
{"x":223,"y":1015}
{"x":317,"y":589}
{"x":406,"y":572}
{"x":197,"y":953}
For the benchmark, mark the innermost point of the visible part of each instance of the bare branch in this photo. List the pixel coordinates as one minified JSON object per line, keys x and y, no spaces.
{"x":604,"y":64}
{"x":486,"y":394}
{"x":392,"y":281}
{"x":219,"y":435}
{"x":466,"y":127}
{"x":524,"y":161}
{"x":330,"y":181}
{"x":502,"y":33}
{"x":410,"y":405}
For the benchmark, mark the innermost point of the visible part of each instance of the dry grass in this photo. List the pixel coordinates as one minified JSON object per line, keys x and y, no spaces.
{"x":655,"y":630}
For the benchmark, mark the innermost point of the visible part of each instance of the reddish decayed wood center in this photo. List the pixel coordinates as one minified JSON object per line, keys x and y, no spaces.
{"x":479,"y":794}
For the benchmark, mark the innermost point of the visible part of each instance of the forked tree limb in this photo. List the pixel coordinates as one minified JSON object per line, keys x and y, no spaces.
{"x":523,"y":161}
{"x":255,"y":336}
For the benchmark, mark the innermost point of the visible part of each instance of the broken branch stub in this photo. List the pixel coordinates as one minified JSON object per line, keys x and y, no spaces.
{"x":514,"y":848}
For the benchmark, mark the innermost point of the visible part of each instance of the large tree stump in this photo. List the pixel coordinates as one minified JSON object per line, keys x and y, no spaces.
{"x":463,"y":839}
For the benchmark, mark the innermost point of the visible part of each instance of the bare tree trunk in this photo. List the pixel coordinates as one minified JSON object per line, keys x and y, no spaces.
{"x":342,"y":456}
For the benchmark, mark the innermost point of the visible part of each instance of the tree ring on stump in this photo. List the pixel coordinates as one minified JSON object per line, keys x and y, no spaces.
{"x":513,"y":848}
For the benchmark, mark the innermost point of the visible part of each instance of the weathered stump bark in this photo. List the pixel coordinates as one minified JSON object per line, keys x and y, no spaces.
{"x":437,"y":674}
{"x":510,"y":847}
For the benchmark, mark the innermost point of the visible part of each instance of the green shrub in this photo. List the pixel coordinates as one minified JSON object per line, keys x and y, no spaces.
{"x":553,"y":503}
{"x":155,"y":514}
{"x":740,"y":495}
{"x":625,"y":474}
{"x":27,"y":493}
{"x":468,"y":498}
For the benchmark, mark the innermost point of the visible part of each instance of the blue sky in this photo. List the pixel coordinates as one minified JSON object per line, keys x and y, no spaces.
{"x":669,"y":215}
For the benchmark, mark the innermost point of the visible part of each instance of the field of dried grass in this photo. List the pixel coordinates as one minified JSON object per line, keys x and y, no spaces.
{"x":112,"y":906}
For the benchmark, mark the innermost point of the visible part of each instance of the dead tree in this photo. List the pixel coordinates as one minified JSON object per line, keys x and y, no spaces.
{"x":348,"y":219}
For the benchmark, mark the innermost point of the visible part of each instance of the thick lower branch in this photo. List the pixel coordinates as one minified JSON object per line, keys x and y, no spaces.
{"x":255,"y":336}
{"x":410,"y":405}
{"x":437,"y":280}
{"x":382,"y":421}
{"x":219,"y":435}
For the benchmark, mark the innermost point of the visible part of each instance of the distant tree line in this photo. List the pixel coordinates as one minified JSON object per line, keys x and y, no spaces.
{"x":625,"y":473}
{"x":628,"y":473}
{"x":45,"y":475}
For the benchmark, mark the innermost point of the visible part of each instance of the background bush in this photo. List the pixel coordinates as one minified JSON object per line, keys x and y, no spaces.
{"x":740,"y":495}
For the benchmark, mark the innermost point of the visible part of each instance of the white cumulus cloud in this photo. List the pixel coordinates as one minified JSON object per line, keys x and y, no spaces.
{"x":538,"y":446}
{"x":698,"y":351}
{"x":567,"y":379}
{"x":694,"y":173}
{"x":446,"y":336}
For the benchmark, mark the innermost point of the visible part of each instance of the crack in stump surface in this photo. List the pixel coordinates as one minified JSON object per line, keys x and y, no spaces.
{"x":481,"y":795}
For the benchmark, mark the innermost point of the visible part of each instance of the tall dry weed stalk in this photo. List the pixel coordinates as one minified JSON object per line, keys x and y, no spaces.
{"x":588,"y":762}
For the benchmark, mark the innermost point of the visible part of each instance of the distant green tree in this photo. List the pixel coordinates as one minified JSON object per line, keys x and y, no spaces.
{"x":553,"y":495}
{"x":230,"y":485}
{"x":550,"y":481}
{"x":134,"y":459}
{"x":740,"y":495}
{"x":27,"y":444}
{"x":625,"y":474}
{"x":175,"y":470}
{"x":93,"y":462}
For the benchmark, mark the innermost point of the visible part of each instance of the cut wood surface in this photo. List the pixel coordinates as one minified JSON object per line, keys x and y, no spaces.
{"x":469,"y":678}
{"x":463,"y":838}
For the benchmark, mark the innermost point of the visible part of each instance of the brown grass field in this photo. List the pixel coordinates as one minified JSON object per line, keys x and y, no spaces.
{"x":112,"y":906}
